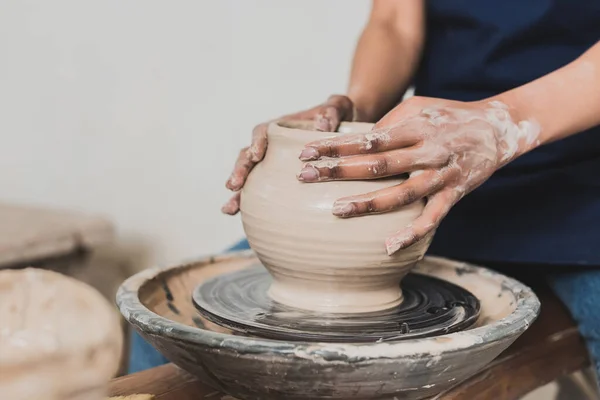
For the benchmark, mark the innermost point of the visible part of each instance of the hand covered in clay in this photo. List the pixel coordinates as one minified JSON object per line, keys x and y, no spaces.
{"x":448,"y":147}
{"x":327,"y":118}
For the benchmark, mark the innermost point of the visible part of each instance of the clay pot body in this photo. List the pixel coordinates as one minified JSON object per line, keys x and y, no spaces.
{"x":318,"y":261}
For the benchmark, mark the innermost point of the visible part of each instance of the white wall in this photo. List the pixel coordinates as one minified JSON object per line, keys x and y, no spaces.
{"x":137,"y":108}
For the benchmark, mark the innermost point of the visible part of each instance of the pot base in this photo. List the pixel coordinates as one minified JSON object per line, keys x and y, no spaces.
{"x":334,"y":297}
{"x":239,"y":301}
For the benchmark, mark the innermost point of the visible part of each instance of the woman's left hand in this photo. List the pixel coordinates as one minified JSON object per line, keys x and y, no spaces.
{"x":448,"y":147}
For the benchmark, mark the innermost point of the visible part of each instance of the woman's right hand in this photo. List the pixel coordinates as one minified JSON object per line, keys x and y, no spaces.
{"x":327,"y":118}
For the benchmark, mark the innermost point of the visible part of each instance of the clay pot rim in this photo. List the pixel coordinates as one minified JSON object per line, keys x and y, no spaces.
{"x":290,"y":127}
{"x":511,"y":326}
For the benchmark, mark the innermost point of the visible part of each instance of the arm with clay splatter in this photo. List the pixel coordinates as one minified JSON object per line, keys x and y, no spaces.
{"x":564,"y":102}
{"x":385,"y":60}
{"x":449,"y":148}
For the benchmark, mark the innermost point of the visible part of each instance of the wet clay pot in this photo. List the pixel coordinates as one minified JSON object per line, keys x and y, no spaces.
{"x":318,"y":261}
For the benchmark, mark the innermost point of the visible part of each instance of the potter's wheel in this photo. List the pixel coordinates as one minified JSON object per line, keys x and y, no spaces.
{"x":239,"y":301}
{"x":158,"y":302}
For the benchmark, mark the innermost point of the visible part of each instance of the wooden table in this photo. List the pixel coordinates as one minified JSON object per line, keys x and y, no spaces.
{"x":551,"y":348}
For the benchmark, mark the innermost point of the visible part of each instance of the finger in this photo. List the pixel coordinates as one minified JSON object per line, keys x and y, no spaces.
{"x":259,"y":142}
{"x":344,"y":104}
{"x":436,"y":209}
{"x":392,"y":198}
{"x":233,"y":205}
{"x":327,"y":119}
{"x":347,"y":145}
{"x":335,"y":110}
{"x":373,"y":166}
{"x":242,"y":168}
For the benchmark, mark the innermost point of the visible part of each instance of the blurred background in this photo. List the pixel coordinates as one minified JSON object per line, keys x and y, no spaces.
{"x":136,"y":110}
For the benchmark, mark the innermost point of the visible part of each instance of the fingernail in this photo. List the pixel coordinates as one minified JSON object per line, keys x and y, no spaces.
{"x":323,"y":124}
{"x":227,"y":209}
{"x":234,"y":182}
{"x":308,"y":174}
{"x":309,"y":153}
{"x":392,"y":246}
{"x":343,"y":209}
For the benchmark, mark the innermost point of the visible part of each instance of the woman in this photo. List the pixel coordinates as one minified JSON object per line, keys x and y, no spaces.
{"x":508,"y":103}
{"x":499,"y":138}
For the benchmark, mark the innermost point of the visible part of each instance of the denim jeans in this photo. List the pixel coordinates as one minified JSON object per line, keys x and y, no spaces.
{"x":579,"y":290}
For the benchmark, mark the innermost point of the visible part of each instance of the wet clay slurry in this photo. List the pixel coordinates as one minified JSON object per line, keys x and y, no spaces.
{"x":318,"y":261}
{"x":239,"y":301}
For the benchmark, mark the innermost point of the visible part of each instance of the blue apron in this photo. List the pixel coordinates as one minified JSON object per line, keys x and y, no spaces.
{"x":545,"y":206}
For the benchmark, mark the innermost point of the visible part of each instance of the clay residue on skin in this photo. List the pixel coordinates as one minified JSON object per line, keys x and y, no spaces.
{"x":313,"y":167}
{"x":459,"y":145}
{"x":375,"y":137}
{"x":497,"y":136}
{"x":511,"y":135}
{"x":477,"y":141}
{"x":365,"y":143}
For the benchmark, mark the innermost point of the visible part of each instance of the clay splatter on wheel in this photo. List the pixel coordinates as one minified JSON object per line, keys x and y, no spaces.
{"x":239,"y":301}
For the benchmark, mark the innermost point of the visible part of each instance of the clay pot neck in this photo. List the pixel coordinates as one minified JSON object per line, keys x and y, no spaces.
{"x":298,"y":133}
{"x":288,"y":138}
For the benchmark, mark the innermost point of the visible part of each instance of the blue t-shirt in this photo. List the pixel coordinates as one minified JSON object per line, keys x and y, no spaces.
{"x":544,"y":207}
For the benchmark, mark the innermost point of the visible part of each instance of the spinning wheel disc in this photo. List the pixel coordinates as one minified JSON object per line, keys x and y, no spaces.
{"x":239,"y":301}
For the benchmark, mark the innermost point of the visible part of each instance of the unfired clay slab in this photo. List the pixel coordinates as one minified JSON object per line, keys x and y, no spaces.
{"x":30,"y":233}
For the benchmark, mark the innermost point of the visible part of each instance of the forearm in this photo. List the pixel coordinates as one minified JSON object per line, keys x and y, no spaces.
{"x":564,"y":102}
{"x":386,"y":57}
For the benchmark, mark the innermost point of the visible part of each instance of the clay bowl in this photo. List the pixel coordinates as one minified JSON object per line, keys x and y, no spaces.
{"x":158,"y":303}
{"x":318,"y":261}
{"x":59,"y":338}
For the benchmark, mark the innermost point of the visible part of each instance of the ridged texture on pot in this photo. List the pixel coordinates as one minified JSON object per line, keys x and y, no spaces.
{"x":319,"y":261}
